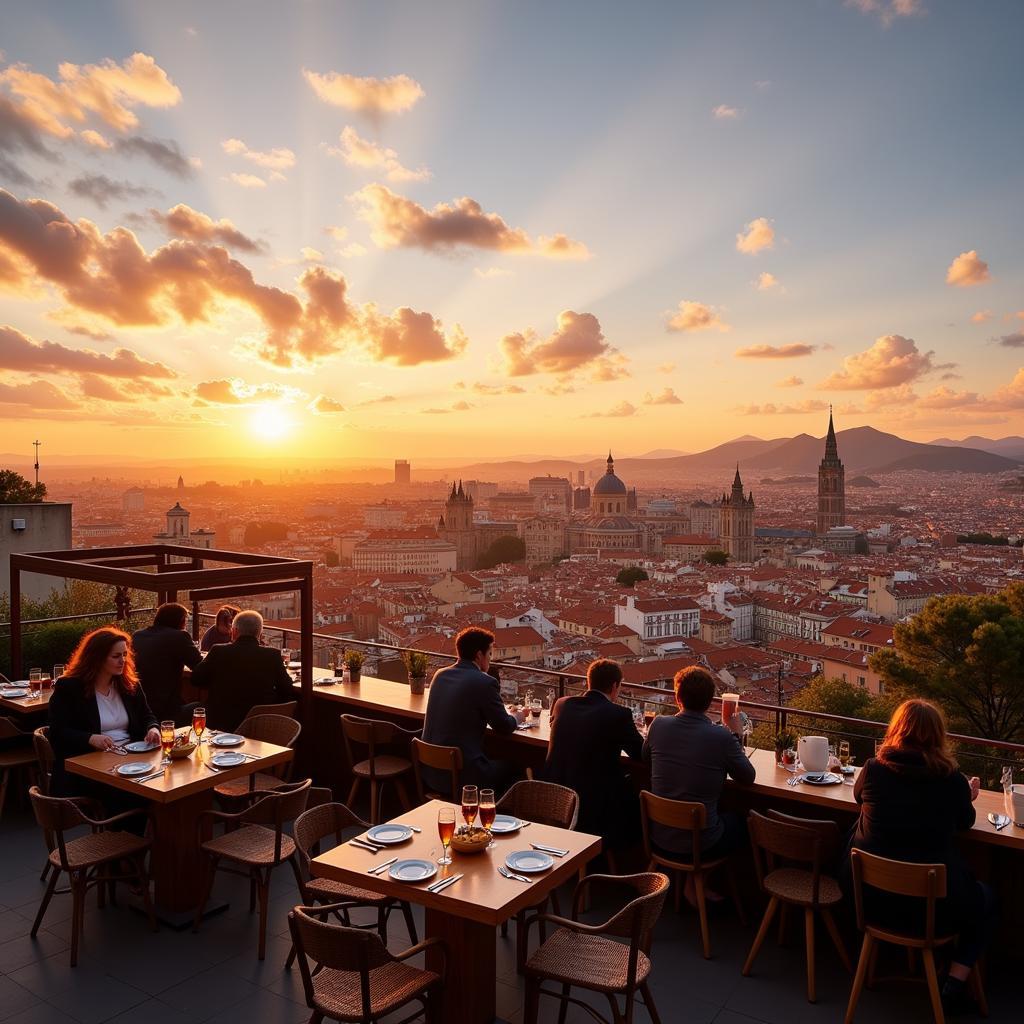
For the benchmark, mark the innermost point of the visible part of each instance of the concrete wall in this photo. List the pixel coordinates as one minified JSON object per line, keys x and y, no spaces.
{"x":47,"y":528}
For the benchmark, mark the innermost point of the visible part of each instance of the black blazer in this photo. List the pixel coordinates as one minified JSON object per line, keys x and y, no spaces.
{"x":75,"y":716}
{"x":161,"y":653}
{"x":239,"y":675}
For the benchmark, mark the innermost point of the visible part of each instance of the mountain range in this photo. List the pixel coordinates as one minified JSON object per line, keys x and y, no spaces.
{"x":1011,"y":447}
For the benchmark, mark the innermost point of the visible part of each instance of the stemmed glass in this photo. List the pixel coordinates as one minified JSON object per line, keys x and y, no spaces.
{"x":445,"y":829}
{"x":35,"y":682}
{"x":199,"y":724}
{"x":487,"y":812}
{"x":470,"y":804}
{"x":167,"y":740}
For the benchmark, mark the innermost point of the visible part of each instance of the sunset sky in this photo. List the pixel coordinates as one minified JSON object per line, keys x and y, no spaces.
{"x":485,"y":229}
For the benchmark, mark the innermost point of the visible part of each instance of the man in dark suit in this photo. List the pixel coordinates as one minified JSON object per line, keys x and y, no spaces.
{"x":464,"y":700}
{"x":589,"y":733}
{"x":161,"y":653}
{"x":241,"y":674}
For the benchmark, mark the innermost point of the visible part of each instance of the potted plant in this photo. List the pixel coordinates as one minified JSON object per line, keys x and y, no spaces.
{"x":416,"y":665}
{"x":354,"y":659}
{"x":784,"y":741}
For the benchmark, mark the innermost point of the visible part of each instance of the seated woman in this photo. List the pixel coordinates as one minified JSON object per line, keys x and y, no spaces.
{"x":913,"y":802}
{"x":98,"y":705}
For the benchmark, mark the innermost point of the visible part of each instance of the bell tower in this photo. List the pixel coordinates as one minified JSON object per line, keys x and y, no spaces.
{"x":831,"y":485}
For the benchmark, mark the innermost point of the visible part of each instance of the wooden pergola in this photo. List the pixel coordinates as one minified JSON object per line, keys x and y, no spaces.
{"x":175,"y":572}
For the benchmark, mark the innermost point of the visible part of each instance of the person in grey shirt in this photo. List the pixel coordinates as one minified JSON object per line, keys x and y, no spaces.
{"x":690,"y":757}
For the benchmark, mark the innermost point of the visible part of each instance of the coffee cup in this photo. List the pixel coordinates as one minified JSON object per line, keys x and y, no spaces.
{"x":813,"y":752}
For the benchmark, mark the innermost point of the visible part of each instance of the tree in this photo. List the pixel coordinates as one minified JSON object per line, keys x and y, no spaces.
{"x":15,"y":489}
{"x":967,"y":655}
{"x":331,"y":558}
{"x":716,"y":557}
{"x":503,"y":550}
{"x":631,"y":576}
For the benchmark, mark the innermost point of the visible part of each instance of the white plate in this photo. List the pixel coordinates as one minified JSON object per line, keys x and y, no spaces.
{"x":228,"y":759}
{"x":505,"y":823}
{"x":821,"y":779}
{"x":529,"y":862}
{"x":141,"y":747}
{"x":412,"y":870}
{"x":295,"y":665}
{"x":387,"y":835}
{"x":227,"y":739}
{"x":12,"y":692}
{"x":131,"y":768}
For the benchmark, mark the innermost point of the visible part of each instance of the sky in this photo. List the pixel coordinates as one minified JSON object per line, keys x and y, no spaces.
{"x":480,"y":229}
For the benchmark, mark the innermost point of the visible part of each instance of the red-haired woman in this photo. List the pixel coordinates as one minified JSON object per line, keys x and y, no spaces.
{"x":913,"y":801}
{"x":97,"y":705}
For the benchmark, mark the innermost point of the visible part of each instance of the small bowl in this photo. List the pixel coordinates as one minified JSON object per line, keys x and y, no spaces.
{"x":177,"y":753}
{"x":471,"y":841}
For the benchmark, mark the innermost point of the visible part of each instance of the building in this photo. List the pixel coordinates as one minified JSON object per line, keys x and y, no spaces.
{"x":737,"y":522}
{"x":687,"y":547}
{"x":831,"y":486}
{"x":481,"y":490}
{"x":383,"y":517}
{"x":705,"y":518}
{"x":581,"y":499}
{"x":471,"y":539}
{"x":510,"y":504}
{"x":178,"y":531}
{"x":554,"y":492}
{"x":656,"y":617}
{"x":419,"y":550}
{"x":133,"y":500}
{"x":28,"y":527}
{"x":403,"y":472}
{"x":545,"y":537}
{"x":608,"y":527}
{"x":902,"y":594}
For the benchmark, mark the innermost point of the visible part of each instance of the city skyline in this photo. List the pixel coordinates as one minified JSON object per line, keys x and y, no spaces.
{"x":361,"y":233}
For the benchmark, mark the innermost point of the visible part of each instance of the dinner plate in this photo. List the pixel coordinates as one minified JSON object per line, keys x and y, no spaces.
{"x":505,"y":823}
{"x":822,"y":779}
{"x":529,"y":862}
{"x":141,"y":747}
{"x":387,"y":835}
{"x":131,"y":768}
{"x":412,"y":870}
{"x":848,"y":770}
{"x":295,"y":665}
{"x":227,"y":739}
{"x":11,"y":692}
{"x":228,"y":759}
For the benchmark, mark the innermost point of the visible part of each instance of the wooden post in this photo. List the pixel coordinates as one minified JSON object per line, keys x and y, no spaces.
{"x":306,"y":638}
{"x":15,"y":619}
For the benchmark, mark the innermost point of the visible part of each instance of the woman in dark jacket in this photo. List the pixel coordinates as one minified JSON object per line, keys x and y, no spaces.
{"x":97,"y":705}
{"x":913,"y":802}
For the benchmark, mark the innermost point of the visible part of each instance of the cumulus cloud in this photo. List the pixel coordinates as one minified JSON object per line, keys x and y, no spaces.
{"x":39,"y":394}
{"x":279,"y":159}
{"x":235,"y":391}
{"x":947,"y":398}
{"x":359,"y":152}
{"x":339,"y":234}
{"x":667,"y":368}
{"x":111,"y":276}
{"x":696,"y":316}
{"x":758,"y":234}
{"x":771,"y":409}
{"x":577,"y":343}
{"x":1015,"y":340}
{"x":892,"y":360}
{"x":324,"y":406}
{"x":165,"y":153}
{"x":88,"y":332}
{"x":789,"y":382}
{"x":621,"y":409}
{"x":967,"y":270}
{"x":766,"y":281}
{"x":666,"y":396}
{"x":982,"y":316}
{"x":491,"y":389}
{"x":18,"y":134}
{"x":373,"y":96}
{"x":20,"y":352}
{"x":396,"y":221}
{"x":93,"y":138}
{"x":792,"y":351}
{"x":902,"y":395}
{"x":888,"y":10}
{"x":103,"y":190}
{"x":723,"y":112}
{"x":1010,"y":396}
{"x":182,"y":221}
{"x":461,"y":406}
{"x":381,"y":400}
{"x":488,"y":273}
{"x":247,"y":180}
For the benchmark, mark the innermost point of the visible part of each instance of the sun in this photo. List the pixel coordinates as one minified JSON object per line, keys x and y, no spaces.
{"x":271,"y":423}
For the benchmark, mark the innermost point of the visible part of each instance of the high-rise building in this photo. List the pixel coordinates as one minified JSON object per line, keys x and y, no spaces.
{"x":403,"y":472}
{"x":737,"y":522}
{"x":831,"y":486}
{"x":551,"y":490}
{"x":581,"y":478}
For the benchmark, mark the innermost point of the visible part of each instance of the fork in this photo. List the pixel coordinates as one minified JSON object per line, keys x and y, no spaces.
{"x":502,"y":870}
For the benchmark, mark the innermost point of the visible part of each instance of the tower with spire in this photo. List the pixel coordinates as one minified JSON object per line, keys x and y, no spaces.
{"x":831,"y":485}
{"x":456,"y":525}
{"x":737,"y":522}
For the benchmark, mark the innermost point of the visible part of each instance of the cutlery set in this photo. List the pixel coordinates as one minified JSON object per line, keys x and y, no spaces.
{"x":436,"y":887}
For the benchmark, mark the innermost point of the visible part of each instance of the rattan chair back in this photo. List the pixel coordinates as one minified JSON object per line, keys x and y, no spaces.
{"x":543,"y":802}
{"x":924,"y":881}
{"x":276,"y":808}
{"x":276,"y":729}
{"x":287,"y":709}
{"x":45,"y":755}
{"x":443,"y":759}
{"x":333,"y":945}
{"x":316,"y":824}
{"x":55,"y":815}
{"x":638,"y":917}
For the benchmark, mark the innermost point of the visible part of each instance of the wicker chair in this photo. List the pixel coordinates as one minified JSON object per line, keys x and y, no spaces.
{"x":783,"y":846}
{"x":376,"y":768}
{"x":585,"y":956}
{"x":277,"y":729}
{"x":19,"y":755}
{"x":309,"y":831}
{"x":257,"y":845}
{"x":442,"y":759}
{"x":923,"y":881}
{"x":356,"y":979}
{"x":88,"y":859}
{"x":287,"y":709}
{"x":46,"y":758}
{"x":689,"y":817}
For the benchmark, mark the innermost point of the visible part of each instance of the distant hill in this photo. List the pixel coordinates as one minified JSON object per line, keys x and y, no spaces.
{"x":662,"y":453}
{"x":862,"y":481}
{"x":1010,"y":447}
{"x":935,"y":459}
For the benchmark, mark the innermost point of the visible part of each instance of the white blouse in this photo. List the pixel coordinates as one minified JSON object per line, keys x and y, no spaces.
{"x":113,"y":717}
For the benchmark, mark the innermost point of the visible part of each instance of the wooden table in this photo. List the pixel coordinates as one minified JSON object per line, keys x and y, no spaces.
{"x":178,"y":797}
{"x":24,"y":706}
{"x":466,"y":914}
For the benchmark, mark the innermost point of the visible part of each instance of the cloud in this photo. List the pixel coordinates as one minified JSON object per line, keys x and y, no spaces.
{"x":967,"y":270}
{"x":723,"y":112}
{"x":891,"y":360}
{"x":360,"y":152}
{"x":789,"y":382}
{"x":39,"y":394}
{"x":666,"y":368}
{"x":382,"y":400}
{"x":461,"y":406}
{"x":771,"y":409}
{"x":491,"y":272}
{"x":88,"y":332}
{"x":324,"y":406}
{"x":888,"y":10}
{"x":93,"y":138}
{"x":982,"y":316}
{"x":757,"y":235}
{"x":396,"y":221}
{"x":373,"y":96}
{"x":182,"y":221}
{"x":766,"y":282}
{"x":667,"y":396}
{"x":492,"y":389}
{"x":311,"y":255}
{"x":1015,"y":340}
{"x":271,"y":159}
{"x":18,"y":134}
{"x":696,"y":316}
{"x":792,"y":351}
{"x":247,"y":180}
{"x":339,"y":234}
{"x":617,"y":411}
{"x":577,"y":343}
{"x":234,"y":391}
{"x":1010,"y":396}
{"x":112,"y":277}
{"x":102,"y":190}
{"x":20,"y":352}
{"x":947,"y":398}
{"x":901,"y":395}
{"x":106,"y":390}
{"x":165,"y":153}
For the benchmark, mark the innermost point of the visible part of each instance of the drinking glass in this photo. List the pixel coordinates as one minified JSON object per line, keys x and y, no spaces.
{"x":535,"y":708}
{"x":445,"y":829}
{"x":487,"y":811}
{"x":58,"y":671}
{"x":649,"y":716}
{"x":638,"y":719}
{"x":35,"y":682}
{"x":286,"y":656}
{"x":167,"y":740}
{"x":199,"y":724}
{"x":470,"y":804}
{"x":730,"y":705}
{"x":844,"y":753}
{"x":878,"y":746}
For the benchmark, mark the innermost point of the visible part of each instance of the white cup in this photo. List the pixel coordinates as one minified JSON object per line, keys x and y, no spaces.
{"x":1013,"y":804}
{"x":813,"y":753}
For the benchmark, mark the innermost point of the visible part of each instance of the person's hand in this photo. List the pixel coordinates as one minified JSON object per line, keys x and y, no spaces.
{"x":153,"y":736}
{"x":100,"y":741}
{"x":975,"y":783}
{"x":520,"y":715}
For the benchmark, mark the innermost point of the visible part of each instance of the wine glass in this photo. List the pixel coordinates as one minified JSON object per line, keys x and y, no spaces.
{"x":167,"y":740}
{"x":286,"y":656}
{"x":58,"y":671}
{"x":844,"y":753}
{"x":487,"y":812}
{"x":746,"y":728}
{"x":470,"y":804}
{"x":445,"y":829}
{"x":199,"y":724}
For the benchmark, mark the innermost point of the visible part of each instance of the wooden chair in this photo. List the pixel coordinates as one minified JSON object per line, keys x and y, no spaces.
{"x":355,"y":978}
{"x":782,"y":846}
{"x":376,"y":768}
{"x":589,"y":957}
{"x":311,"y":828}
{"x":18,"y":756}
{"x":88,"y":859}
{"x":258,"y":845}
{"x":685,"y":816}
{"x":922,"y":881}
{"x":46,"y":758}
{"x":277,"y":729}
{"x":287,"y":709}
{"x":442,"y":759}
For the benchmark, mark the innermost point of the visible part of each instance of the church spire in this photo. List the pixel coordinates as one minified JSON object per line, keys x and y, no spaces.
{"x":611,"y":463}
{"x":831,"y":448}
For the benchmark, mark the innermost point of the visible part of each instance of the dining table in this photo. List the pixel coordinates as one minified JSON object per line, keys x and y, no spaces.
{"x":26,"y":706}
{"x":466,"y":914}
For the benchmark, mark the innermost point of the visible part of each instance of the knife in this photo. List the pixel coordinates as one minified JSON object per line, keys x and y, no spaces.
{"x":549,"y":849}
{"x":380,"y":867}
{"x":146,"y":778}
{"x":365,"y":846}
{"x":443,"y":884}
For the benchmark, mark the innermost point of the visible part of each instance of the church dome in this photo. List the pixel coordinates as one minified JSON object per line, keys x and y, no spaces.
{"x":610,"y":483}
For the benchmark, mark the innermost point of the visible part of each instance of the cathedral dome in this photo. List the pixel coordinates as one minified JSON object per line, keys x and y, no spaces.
{"x":610,"y":483}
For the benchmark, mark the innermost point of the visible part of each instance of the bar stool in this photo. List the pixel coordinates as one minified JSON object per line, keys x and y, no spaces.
{"x":376,"y":768}
{"x":441,"y":759}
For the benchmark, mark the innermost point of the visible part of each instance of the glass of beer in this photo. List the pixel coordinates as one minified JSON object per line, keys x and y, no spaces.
{"x":844,"y":753}
{"x":487,"y":811}
{"x":199,"y":724}
{"x":730,"y":706}
{"x":58,"y":671}
{"x":445,"y":829}
{"x":649,"y":716}
{"x":167,"y":740}
{"x":470,"y":804}
{"x":35,"y":682}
